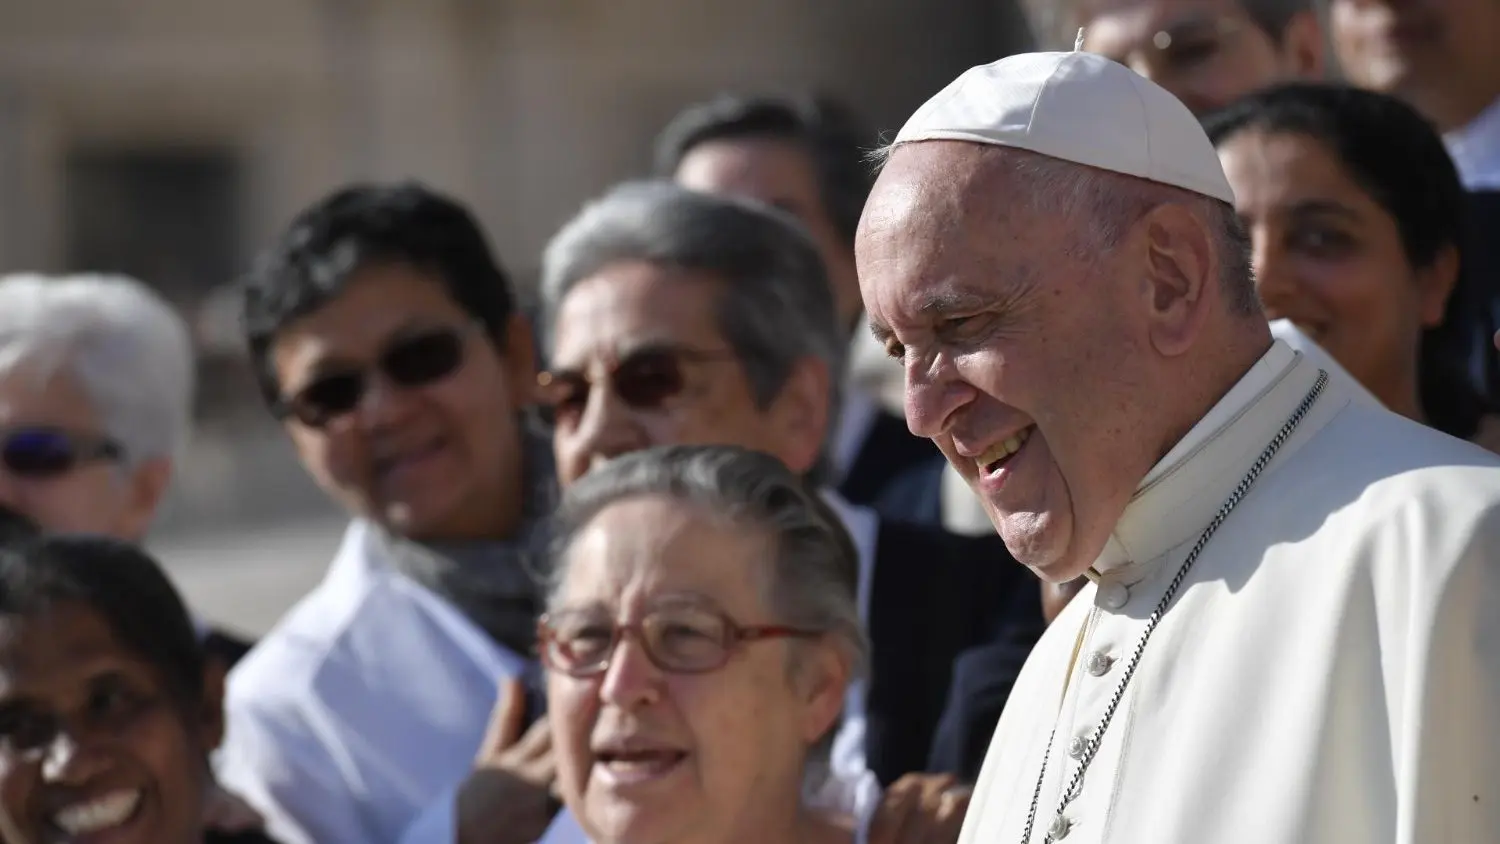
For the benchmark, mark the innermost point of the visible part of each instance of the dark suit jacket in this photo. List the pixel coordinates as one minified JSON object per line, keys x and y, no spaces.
{"x":935,"y":595}
{"x":915,"y":495}
{"x":982,"y":680}
{"x":1467,"y":335}
{"x":888,"y":450}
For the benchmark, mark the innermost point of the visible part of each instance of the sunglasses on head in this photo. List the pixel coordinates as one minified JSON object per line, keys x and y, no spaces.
{"x":643,"y":379}
{"x":45,"y":452}
{"x":414,"y":361}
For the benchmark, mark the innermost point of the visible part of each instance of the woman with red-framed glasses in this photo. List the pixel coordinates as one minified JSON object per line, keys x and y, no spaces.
{"x":700,"y":635}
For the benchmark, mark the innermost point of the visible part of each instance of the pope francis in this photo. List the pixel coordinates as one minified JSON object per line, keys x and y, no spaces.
{"x":1292,"y":633}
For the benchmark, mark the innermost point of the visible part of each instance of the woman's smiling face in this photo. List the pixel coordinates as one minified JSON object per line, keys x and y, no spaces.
{"x":95,"y":747}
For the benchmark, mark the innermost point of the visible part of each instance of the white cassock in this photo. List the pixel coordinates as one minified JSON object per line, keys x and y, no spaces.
{"x":1329,"y":670}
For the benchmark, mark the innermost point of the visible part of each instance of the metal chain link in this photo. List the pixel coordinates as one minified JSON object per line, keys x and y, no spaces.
{"x":1075,"y":786}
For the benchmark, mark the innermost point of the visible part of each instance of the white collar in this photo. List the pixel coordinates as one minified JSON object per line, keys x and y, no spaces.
{"x":1475,"y":149}
{"x":1179,"y":495}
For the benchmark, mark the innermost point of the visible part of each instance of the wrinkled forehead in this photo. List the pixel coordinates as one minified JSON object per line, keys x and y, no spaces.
{"x":631,"y":305}
{"x":647,"y":547}
{"x":943,"y":232}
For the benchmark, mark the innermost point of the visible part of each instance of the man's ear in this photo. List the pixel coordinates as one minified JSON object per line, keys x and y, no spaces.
{"x":1181,"y":273}
{"x":801,"y":415}
{"x":519,"y":359}
{"x":1304,"y":49}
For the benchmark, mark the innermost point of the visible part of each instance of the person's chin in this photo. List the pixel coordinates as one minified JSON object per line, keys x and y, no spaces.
{"x":611,"y":818}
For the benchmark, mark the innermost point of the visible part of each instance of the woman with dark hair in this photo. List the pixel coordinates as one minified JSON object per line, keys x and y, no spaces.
{"x":107,"y":714}
{"x":1356,"y":214}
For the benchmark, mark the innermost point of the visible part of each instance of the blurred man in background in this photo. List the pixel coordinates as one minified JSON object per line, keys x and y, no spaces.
{"x":807,"y":157}
{"x":1206,"y":52}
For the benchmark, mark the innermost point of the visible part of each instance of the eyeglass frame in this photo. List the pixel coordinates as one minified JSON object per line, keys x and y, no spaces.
{"x":613,"y":362}
{"x":736,"y":637}
{"x":87,"y":448}
{"x":286,"y":406}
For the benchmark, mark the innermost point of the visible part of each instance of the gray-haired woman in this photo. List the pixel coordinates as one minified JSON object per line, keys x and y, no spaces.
{"x":700,"y":634}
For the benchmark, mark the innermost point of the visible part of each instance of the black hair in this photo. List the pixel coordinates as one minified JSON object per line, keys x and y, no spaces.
{"x":121,"y":583}
{"x":353,"y":228}
{"x":1397,"y":157}
{"x":834,"y":138}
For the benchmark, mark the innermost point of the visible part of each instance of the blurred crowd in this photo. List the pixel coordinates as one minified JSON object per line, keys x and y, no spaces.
{"x":694,"y":427}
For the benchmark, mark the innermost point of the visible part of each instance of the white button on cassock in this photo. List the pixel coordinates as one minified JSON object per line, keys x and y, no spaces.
{"x":1098,"y":663}
{"x":1113,"y":595}
{"x":1060,"y":828}
{"x":1077,"y":746}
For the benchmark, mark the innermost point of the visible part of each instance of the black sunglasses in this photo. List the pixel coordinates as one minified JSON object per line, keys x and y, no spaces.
{"x":46,"y":452}
{"x":414,"y":361}
{"x":644,"y":379}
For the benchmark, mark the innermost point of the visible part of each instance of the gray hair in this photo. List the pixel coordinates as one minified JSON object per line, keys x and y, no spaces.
{"x":776,"y":306}
{"x":126,"y":348}
{"x":812,"y":580}
{"x":1106,"y":204}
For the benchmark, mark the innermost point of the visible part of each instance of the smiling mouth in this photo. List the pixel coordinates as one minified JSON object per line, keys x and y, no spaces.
{"x":635,"y":766}
{"x":94,"y":816}
{"x":1000,"y":453}
{"x":387,"y":466}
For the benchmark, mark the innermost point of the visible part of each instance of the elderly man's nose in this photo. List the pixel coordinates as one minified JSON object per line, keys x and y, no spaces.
{"x":606,"y":429}
{"x":931,"y":399}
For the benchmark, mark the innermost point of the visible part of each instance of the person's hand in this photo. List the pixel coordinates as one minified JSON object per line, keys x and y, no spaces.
{"x":507,"y":799}
{"x":921,"y":809}
{"x":227,"y":813}
{"x":1497,"y":340}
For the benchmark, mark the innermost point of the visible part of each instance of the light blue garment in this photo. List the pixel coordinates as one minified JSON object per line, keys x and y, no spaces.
{"x":363,"y":707}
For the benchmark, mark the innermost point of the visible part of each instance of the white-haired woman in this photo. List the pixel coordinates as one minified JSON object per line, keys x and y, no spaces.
{"x":96,"y":398}
{"x":96,"y":384}
{"x":700,"y":635}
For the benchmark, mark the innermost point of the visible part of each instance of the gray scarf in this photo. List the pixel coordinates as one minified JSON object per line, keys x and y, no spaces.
{"x":498,"y":585}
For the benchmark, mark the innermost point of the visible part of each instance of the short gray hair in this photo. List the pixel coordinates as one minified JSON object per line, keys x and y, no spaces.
{"x":811,"y":582}
{"x":1106,"y":204}
{"x":125,"y":347}
{"x":776,"y":307}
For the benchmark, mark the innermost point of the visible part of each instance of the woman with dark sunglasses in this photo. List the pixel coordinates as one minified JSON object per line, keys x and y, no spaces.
{"x":107,"y":709}
{"x":96,"y":395}
{"x":386,"y":338}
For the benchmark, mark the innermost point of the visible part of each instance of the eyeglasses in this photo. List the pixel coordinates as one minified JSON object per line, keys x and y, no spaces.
{"x":414,"y":361}
{"x":678,"y":640}
{"x":644,"y":379}
{"x":47,"y":452}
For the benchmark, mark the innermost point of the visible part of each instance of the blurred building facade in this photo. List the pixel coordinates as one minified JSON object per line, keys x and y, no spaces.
{"x":171,"y":138}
